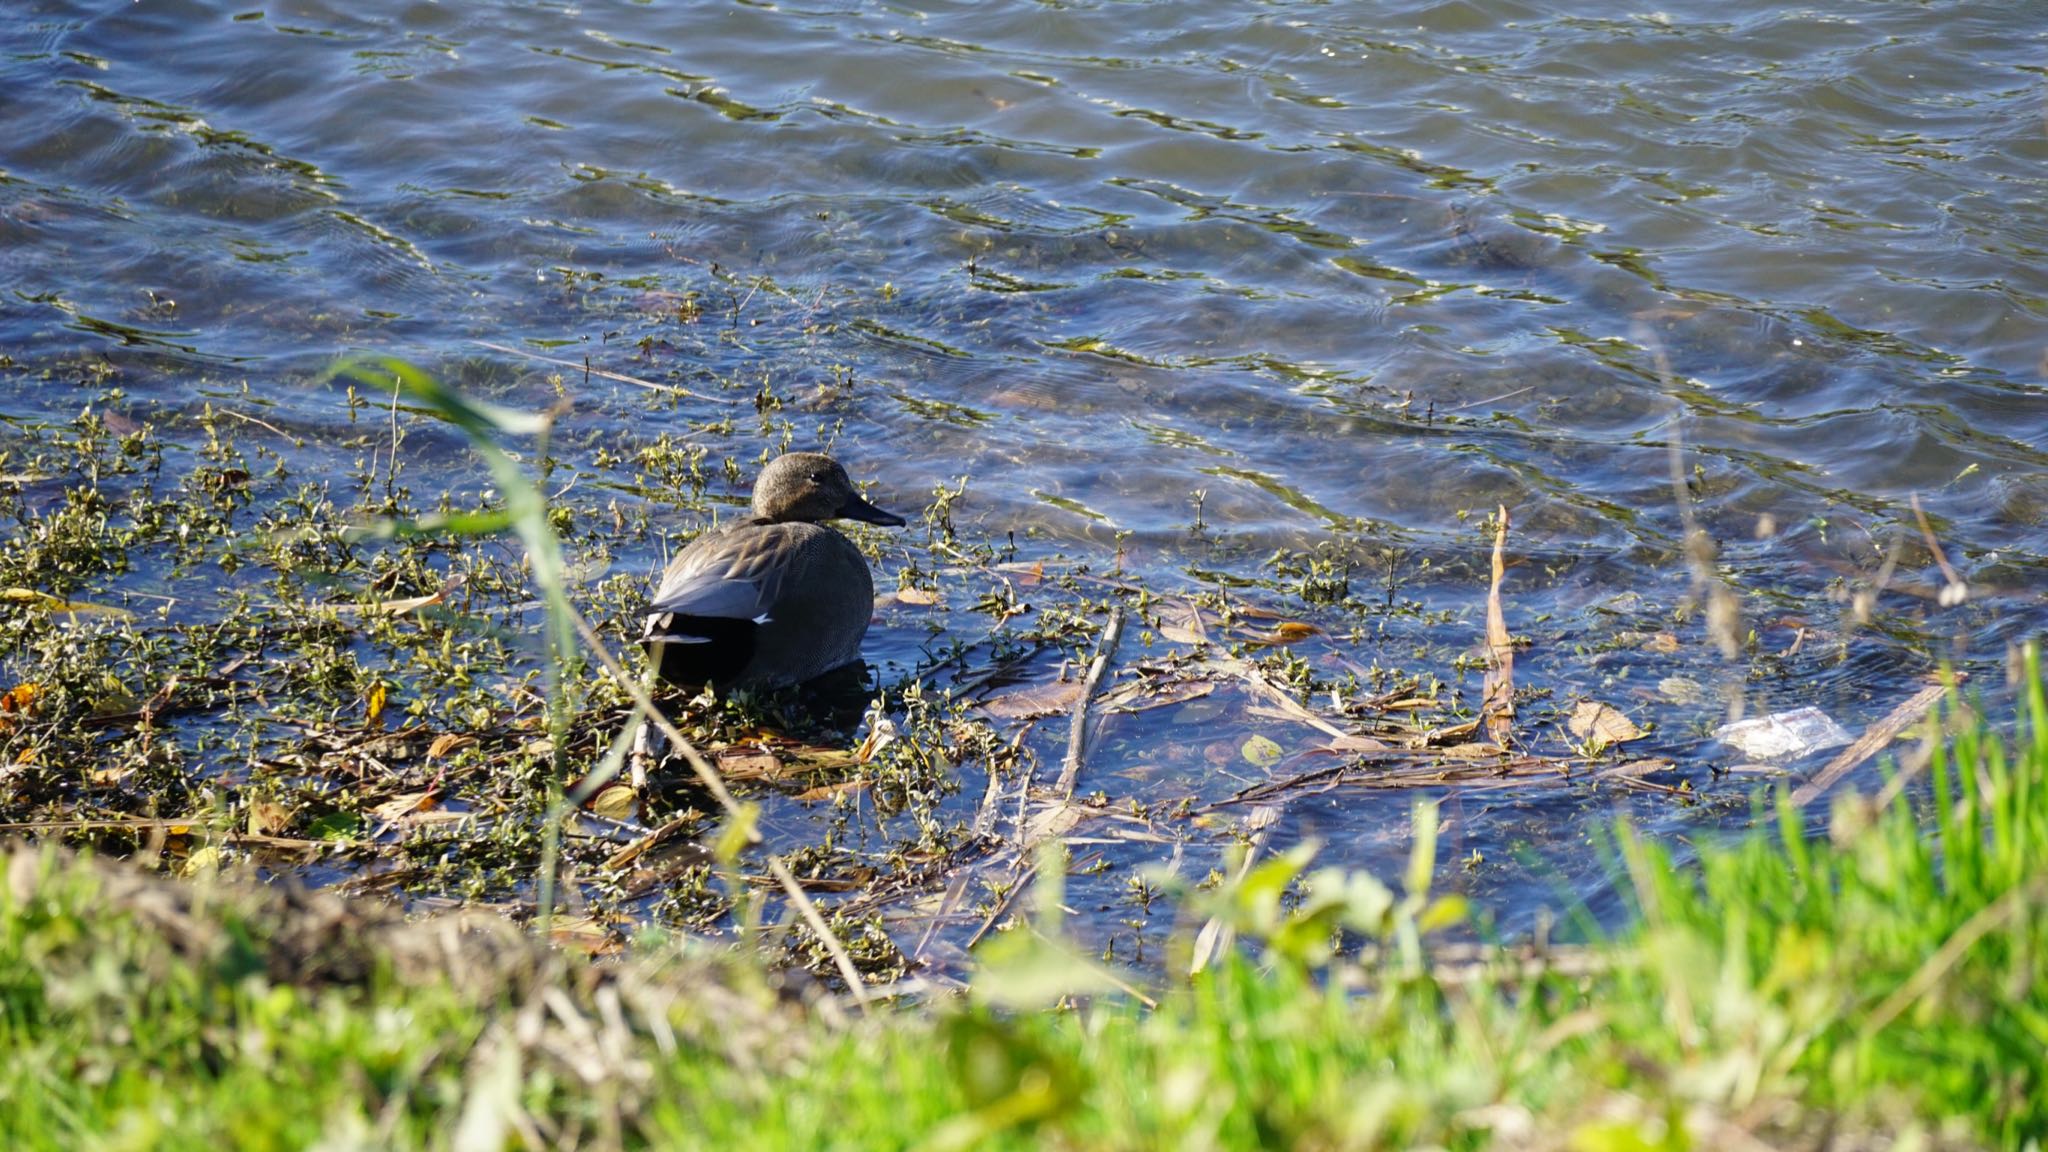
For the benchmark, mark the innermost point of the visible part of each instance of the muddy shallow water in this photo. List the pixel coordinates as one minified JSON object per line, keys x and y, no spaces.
{"x":1274,"y":303}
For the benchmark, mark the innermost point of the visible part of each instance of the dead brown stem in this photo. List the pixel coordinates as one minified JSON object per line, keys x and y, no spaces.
{"x":1498,"y":704}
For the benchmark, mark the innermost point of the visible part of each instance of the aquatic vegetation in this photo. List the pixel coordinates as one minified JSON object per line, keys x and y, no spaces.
{"x":407,"y":684}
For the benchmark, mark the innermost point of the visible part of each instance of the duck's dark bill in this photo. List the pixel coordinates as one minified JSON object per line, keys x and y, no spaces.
{"x":859,"y":509}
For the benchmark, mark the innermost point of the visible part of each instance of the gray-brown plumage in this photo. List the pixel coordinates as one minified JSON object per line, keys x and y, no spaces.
{"x":775,"y":599}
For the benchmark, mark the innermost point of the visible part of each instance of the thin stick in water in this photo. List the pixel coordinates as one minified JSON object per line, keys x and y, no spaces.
{"x":1875,"y":737}
{"x":1077,"y":737}
{"x":621,"y":377}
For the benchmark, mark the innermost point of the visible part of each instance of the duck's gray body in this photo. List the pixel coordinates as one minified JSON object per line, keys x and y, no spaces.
{"x":773,"y":600}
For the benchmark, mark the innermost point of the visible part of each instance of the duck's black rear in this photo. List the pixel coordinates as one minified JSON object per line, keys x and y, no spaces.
{"x":699,"y":649}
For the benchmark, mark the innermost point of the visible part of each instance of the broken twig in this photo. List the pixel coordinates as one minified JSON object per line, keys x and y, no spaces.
{"x":1077,"y":737}
{"x":1875,"y":737}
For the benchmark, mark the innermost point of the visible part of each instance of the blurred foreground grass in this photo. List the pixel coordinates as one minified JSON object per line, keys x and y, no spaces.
{"x":1882,"y":987}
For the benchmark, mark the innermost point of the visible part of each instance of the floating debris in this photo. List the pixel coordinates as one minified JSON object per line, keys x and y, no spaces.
{"x":1783,"y":735}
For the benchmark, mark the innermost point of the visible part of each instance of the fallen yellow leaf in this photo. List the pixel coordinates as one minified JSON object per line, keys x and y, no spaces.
{"x":17,"y":702}
{"x":617,"y":802}
{"x":200,"y":862}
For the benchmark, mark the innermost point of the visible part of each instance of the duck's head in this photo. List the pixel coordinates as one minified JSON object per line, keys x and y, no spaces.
{"x":812,"y":486}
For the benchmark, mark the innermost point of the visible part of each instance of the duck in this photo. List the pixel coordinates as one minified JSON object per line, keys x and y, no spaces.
{"x":777,"y":599}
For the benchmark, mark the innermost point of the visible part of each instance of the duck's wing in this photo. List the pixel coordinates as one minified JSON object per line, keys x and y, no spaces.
{"x":733,"y":577}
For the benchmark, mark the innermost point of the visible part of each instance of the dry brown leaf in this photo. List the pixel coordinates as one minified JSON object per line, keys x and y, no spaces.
{"x":586,"y":934}
{"x":1600,"y":724}
{"x":916,"y":597}
{"x":1476,"y":750}
{"x":1183,"y":628}
{"x":748,"y":764}
{"x":1047,"y":699}
{"x":1355,"y":744}
{"x":1636,"y":768}
{"x":1144,"y":695}
{"x":1438,"y":737}
{"x":1057,"y":820}
{"x":1286,"y":632}
{"x":1662,"y":643}
{"x":828,"y":791}
{"x":269,"y":818}
{"x":416,"y":808}
{"x":448,"y":742}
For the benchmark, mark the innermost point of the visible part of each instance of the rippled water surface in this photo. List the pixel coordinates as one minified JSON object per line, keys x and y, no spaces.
{"x":1189,"y":291}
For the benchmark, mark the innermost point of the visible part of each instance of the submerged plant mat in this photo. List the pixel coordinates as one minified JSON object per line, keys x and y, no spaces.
{"x":334,"y":682}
